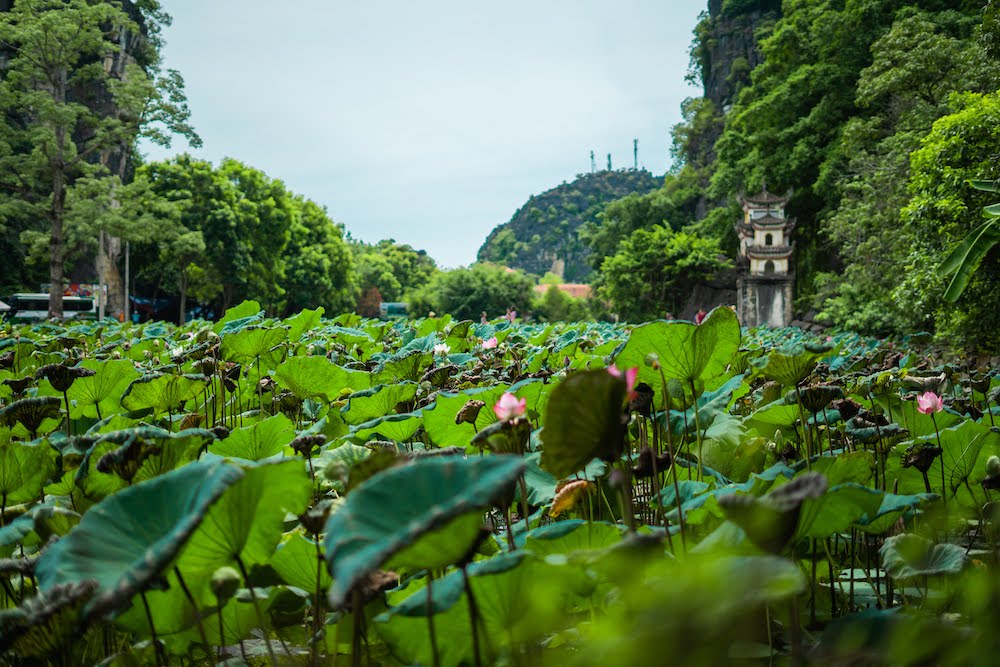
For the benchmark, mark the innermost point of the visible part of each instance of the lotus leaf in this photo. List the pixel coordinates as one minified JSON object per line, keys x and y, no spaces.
{"x":584,"y":420}
{"x":312,"y":377}
{"x":25,"y":468}
{"x":372,"y":526}
{"x":685,"y":351}
{"x":127,"y":540}
{"x":252,"y":343}
{"x":261,"y":440}
{"x":907,"y":556}
{"x":238,"y":316}
{"x":377,"y":402}
{"x":30,"y":413}
{"x":162,"y":393}
{"x":98,"y":394}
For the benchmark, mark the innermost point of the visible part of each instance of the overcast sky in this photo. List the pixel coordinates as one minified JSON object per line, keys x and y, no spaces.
{"x":430,"y":121}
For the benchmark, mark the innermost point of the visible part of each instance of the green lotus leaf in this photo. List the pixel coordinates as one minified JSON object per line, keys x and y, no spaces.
{"x":298,"y":561}
{"x":260,"y":440}
{"x":517,"y":596}
{"x":162,"y":393}
{"x":439,"y":417}
{"x":253,"y":343}
{"x":318,"y":377}
{"x":908,"y":556}
{"x":246,"y":523}
{"x":61,"y":376}
{"x":686,"y":351}
{"x":789,"y":365}
{"x":25,"y":469}
{"x":398,"y":428}
{"x":966,"y":448}
{"x":303,"y":321}
{"x":836,"y":510}
{"x":42,"y":626}
{"x":247,"y":312}
{"x":583,"y":421}
{"x":393,"y":510}
{"x":567,"y":537}
{"x":770,"y":522}
{"x":541,"y":484}
{"x":379,"y":401}
{"x":98,"y":395}
{"x":892,"y":508}
{"x":126,"y":541}
{"x":409,"y":366}
{"x":31,"y":413}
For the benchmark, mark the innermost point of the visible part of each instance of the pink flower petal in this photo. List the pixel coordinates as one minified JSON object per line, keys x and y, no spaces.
{"x":509,"y":406}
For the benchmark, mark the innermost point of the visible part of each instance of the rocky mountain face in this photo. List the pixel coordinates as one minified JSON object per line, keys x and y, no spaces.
{"x":724,"y":52}
{"x":542,"y":235}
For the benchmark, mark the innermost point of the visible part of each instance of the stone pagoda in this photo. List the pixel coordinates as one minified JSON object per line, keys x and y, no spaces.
{"x":766,"y":279}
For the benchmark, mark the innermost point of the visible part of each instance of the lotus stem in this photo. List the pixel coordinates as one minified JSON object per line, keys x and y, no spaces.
{"x":944,"y":489}
{"x":222,"y":637}
{"x":260,"y":614}
{"x":357,"y":614}
{"x":318,"y":621}
{"x":69,"y":425}
{"x":473,"y":617}
{"x":197,"y":612}
{"x":697,"y":432}
{"x":435,"y":656}
{"x":160,"y":655}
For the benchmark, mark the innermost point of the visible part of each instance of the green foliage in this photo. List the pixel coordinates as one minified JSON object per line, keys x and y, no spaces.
{"x":468,"y":292}
{"x":554,"y":305}
{"x":653,"y":271}
{"x":81,"y":85}
{"x":545,"y":228}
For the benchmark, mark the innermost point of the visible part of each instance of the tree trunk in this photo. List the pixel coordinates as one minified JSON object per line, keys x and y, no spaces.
{"x":56,"y":214}
{"x":183,"y":285}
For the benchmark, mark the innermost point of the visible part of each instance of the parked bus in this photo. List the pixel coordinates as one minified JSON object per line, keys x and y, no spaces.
{"x":35,"y":307}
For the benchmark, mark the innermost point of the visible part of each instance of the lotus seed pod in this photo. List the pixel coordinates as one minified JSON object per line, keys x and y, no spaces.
{"x":652,"y":360}
{"x":225,"y":582}
{"x":993,"y":465}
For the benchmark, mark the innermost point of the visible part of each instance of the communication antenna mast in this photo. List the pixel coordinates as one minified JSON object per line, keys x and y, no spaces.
{"x":635,"y":155}
{"x":593,"y":163}
{"x":609,"y":161}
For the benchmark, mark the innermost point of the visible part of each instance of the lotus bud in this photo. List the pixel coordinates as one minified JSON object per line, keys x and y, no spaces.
{"x":225,"y":582}
{"x":993,"y":466}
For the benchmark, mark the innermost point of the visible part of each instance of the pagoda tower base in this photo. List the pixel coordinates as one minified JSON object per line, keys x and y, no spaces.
{"x":764,"y":299}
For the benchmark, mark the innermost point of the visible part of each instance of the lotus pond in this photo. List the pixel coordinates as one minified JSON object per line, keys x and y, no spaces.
{"x":343,"y":492}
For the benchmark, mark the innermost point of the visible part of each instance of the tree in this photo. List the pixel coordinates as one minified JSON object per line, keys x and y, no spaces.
{"x":554,"y":305}
{"x":654,"y":270}
{"x":319,"y":267}
{"x":467,"y":292}
{"x":72,"y":101}
{"x":393,"y":269}
{"x":943,"y":210}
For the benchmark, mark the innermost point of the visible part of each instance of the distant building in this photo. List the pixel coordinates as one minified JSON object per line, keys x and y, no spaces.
{"x":575,"y":290}
{"x":766,"y":282}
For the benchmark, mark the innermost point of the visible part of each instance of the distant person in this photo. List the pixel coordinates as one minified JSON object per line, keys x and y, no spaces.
{"x":482,"y":318}
{"x":511,"y":314}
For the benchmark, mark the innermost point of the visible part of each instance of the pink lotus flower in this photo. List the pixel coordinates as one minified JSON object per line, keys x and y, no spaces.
{"x":699,"y":317}
{"x":630,"y":377}
{"x":929,"y":403}
{"x":509,"y":406}
{"x":490,"y":343}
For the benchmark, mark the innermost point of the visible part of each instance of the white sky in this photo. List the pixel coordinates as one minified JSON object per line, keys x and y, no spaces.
{"x":430,"y":121}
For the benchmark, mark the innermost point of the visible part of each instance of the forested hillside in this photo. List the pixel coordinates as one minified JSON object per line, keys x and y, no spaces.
{"x":542,"y":235}
{"x":874,"y":115}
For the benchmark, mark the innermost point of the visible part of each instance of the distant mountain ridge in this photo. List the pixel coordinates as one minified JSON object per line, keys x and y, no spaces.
{"x":542,"y":235}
